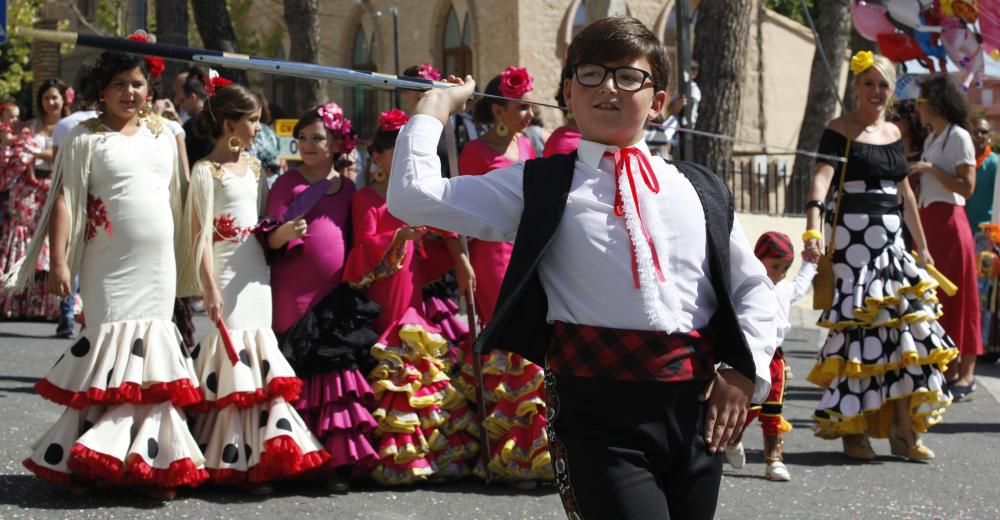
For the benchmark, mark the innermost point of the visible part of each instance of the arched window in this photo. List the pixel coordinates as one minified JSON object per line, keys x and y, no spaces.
{"x":579,"y":18}
{"x":457,"y":45}
{"x":361,"y":56}
{"x":365,"y":103}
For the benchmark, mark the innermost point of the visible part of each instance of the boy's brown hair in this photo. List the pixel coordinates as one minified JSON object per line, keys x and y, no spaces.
{"x":618,"y":38}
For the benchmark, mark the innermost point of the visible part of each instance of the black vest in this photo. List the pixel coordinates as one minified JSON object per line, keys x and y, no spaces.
{"x":519,"y":324}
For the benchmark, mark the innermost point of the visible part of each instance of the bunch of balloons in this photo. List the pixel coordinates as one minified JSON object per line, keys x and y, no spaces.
{"x":962,"y":31}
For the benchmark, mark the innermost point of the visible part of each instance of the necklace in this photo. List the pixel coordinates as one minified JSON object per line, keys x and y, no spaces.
{"x":868,"y":129}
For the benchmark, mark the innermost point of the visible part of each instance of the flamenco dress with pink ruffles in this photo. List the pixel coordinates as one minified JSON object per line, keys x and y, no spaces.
{"x":425,"y":426}
{"x":515,"y":404}
{"x":26,"y":195}
{"x":324,"y":326}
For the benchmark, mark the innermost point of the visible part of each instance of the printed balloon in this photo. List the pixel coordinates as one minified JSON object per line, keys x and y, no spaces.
{"x":870,"y":20}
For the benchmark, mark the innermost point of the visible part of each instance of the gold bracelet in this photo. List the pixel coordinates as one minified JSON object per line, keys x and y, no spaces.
{"x":811,"y":234}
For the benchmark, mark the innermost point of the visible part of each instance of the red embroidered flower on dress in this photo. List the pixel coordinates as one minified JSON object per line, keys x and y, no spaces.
{"x":227,"y":230}
{"x":97,"y":216}
{"x":154,"y":65}
{"x":392,"y":120}
{"x":427,"y":71}
{"x":515,"y":82}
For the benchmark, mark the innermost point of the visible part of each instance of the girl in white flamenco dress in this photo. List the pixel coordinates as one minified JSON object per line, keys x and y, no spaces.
{"x":249,"y":432}
{"x":112,"y":219}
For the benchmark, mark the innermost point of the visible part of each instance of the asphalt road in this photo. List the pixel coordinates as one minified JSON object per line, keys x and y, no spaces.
{"x":961,"y":483}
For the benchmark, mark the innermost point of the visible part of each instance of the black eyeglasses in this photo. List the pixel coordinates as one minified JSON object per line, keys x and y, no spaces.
{"x":629,"y":79}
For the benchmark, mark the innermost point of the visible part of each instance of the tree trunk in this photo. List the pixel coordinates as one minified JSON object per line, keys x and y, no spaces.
{"x":172,"y":27}
{"x":833,"y":23}
{"x":722,"y":59}
{"x":304,"y":16}
{"x":217,"y":33}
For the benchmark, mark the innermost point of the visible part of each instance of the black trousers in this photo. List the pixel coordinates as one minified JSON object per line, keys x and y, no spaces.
{"x":631,"y":450}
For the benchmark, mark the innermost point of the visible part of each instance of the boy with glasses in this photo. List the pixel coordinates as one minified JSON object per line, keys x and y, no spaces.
{"x":629,"y":280}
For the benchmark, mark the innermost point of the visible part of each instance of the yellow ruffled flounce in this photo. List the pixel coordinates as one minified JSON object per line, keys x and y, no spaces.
{"x":822,"y":374}
{"x":926,"y":409}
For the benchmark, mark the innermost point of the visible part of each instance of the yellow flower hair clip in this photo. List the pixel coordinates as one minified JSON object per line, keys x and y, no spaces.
{"x":862,"y":61}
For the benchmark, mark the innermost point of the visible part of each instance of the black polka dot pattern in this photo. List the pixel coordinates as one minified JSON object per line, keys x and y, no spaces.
{"x":887,"y":313}
{"x":196,"y":351}
{"x":284,"y":424}
{"x":138,"y":348}
{"x":245,"y":357}
{"x":262,"y":421}
{"x":81,"y":348}
{"x":230,"y":454}
{"x":247,"y":451}
{"x":152,"y":448}
{"x":212,"y":382}
{"x":265,"y":369}
{"x":53,"y":454}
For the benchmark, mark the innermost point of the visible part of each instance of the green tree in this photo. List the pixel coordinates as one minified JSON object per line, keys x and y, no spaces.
{"x":792,"y":9}
{"x":15,"y":55}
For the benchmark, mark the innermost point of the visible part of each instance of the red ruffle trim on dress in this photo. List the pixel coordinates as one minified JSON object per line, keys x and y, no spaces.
{"x":94,"y":465}
{"x":181,"y":393}
{"x":288,"y":388}
{"x":282,"y":458}
{"x":49,"y":474}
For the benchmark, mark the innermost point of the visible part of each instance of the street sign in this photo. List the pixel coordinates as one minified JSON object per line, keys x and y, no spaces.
{"x":284,"y":127}
{"x":3,"y":22}
{"x":288,"y":148}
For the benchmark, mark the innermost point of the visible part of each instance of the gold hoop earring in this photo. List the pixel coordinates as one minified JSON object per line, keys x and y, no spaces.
{"x":379,"y":175}
{"x":235,"y":144}
{"x":501,"y":129}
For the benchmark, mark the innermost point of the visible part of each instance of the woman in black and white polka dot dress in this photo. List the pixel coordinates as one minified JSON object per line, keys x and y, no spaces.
{"x":881,"y":365}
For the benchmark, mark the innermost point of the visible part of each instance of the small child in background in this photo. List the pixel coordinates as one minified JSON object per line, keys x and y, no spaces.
{"x":776,"y":252}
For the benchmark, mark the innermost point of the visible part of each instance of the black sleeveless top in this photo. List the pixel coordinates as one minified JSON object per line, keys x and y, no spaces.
{"x":872,"y":163}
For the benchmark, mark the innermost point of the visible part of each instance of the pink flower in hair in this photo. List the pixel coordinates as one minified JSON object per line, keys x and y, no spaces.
{"x":70,"y":95}
{"x":333,"y":117}
{"x":392,"y":120}
{"x":515,"y":82}
{"x":427,"y":71}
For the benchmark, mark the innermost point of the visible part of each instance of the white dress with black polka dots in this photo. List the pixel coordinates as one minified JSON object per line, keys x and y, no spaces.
{"x":126,"y":379}
{"x":885,"y":342}
{"x":248,"y":429}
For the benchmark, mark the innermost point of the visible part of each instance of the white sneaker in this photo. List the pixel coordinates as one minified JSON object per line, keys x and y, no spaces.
{"x":777,"y":472}
{"x":736,"y":456}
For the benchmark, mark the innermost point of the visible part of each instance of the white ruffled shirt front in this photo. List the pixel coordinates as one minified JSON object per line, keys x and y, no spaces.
{"x":587,"y":270}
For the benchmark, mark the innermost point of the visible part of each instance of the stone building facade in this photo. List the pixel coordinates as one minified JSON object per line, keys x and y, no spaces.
{"x":481,"y":37}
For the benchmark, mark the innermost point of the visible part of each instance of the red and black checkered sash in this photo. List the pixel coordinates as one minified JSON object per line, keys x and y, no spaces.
{"x":629,"y":355}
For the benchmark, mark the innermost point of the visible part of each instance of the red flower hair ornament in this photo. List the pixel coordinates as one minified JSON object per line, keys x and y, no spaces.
{"x":392,"y":120}
{"x":515,"y":82}
{"x":215,"y":82}
{"x":154,"y":65}
{"x":427,"y":71}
